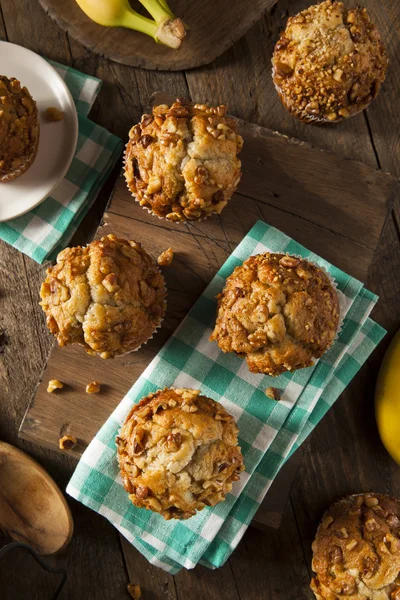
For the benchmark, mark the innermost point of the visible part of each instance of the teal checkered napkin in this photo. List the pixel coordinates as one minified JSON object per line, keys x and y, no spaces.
{"x":47,"y":229}
{"x":269,"y":431}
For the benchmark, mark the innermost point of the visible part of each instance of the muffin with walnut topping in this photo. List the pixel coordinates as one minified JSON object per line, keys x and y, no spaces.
{"x":329,"y":63}
{"x":181,"y":161}
{"x":19,"y":129}
{"x":357,"y":550}
{"x":108,"y":296}
{"x":178,"y":453}
{"x":278,"y":311}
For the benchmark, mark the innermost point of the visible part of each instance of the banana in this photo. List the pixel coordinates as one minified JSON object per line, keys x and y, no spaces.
{"x":164,"y":28}
{"x":387,"y":399}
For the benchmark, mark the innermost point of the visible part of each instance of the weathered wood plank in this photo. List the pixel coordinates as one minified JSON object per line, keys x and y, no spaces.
{"x":272,"y":566}
{"x":153,"y":582}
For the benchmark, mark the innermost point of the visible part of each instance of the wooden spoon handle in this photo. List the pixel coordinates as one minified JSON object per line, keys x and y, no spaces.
{"x":40,"y":561}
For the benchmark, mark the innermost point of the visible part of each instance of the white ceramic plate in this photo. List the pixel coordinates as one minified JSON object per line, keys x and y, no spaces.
{"x":57,"y":141}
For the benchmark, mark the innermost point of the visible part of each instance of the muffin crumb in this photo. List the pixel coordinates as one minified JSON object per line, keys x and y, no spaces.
{"x":67,"y":442}
{"x":166,"y":257}
{"x":54,"y":384}
{"x":52,"y":114}
{"x":273,"y":393}
{"x":93,"y":387}
{"x":134,"y":591}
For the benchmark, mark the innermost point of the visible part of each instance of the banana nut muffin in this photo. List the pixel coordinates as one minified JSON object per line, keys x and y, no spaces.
{"x":178,"y":453}
{"x":108,"y":296}
{"x":329,"y":63}
{"x":181,"y":162}
{"x":357,"y":550}
{"x":19,"y":129}
{"x":278,"y":311}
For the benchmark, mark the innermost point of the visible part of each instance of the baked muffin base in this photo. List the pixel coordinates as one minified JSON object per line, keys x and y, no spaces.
{"x":23,"y":168}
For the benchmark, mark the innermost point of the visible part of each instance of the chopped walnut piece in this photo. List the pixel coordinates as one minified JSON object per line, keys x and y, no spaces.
{"x":93,"y":387}
{"x":67,"y":442}
{"x":53,"y":114}
{"x":166,"y":257}
{"x":273,"y":393}
{"x":134,"y":591}
{"x":54,"y":384}
{"x":371,"y":501}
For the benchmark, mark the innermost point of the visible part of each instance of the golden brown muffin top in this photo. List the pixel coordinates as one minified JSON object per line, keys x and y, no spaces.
{"x":108,"y":296}
{"x":181,"y":161}
{"x":278,"y":311}
{"x":19,"y":127}
{"x":178,"y":453}
{"x":357,"y":550}
{"x":329,"y":62}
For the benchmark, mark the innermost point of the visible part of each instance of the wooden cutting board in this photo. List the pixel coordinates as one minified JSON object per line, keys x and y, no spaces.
{"x":213,"y":28}
{"x":334,"y":206}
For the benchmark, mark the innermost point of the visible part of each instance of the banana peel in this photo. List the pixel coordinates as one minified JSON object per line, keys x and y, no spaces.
{"x":387,"y":399}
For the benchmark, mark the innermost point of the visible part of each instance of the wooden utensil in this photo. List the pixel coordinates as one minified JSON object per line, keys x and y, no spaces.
{"x":32,"y":507}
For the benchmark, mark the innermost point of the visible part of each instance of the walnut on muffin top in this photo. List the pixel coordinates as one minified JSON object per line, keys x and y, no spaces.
{"x":178,"y":453}
{"x":278,"y":311}
{"x":108,"y":296}
{"x":329,"y":63}
{"x":19,"y":128}
{"x":356,"y":551}
{"x":181,"y":161}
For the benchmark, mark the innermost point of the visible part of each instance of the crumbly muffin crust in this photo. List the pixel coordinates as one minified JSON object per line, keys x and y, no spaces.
{"x":329,"y":63}
{"x":19,"y":129}
{"x":178,"y":452}
{"x":108,"y":296}
{"x":278,"y":311}
{"x":181,"y":162}
{"x":357,"y":550}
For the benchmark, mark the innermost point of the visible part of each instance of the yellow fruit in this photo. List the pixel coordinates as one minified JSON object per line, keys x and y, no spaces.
{"x":163,"y":28}
{"x":387,"y":399}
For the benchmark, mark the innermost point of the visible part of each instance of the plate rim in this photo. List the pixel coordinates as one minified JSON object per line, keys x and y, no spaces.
{"x":74,"y":112}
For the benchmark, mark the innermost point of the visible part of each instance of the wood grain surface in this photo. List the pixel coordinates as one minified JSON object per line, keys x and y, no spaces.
{"x":343,"y":454}
{"x":212,"y":28}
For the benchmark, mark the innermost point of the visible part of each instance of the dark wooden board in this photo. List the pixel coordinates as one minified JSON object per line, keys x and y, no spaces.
{"x":213,"y":28}
{"x":325,"y":215}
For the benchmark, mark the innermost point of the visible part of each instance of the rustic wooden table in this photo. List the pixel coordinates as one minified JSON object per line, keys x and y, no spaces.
{"x":343,"y":455}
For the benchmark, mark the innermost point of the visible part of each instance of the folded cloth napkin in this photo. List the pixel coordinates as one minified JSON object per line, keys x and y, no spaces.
{"x":47,"y":229}
{"x":268,"y":430}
